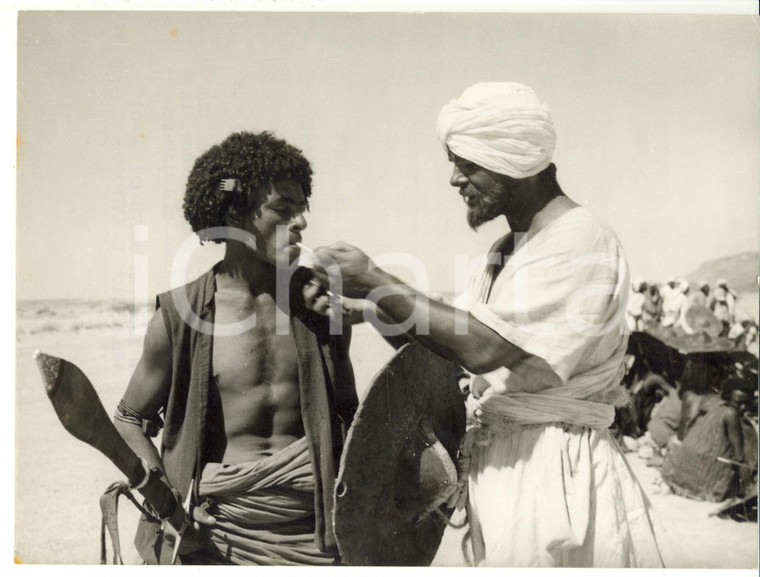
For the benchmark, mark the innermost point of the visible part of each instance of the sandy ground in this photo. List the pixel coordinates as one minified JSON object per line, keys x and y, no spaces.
{"x":58,"y":479}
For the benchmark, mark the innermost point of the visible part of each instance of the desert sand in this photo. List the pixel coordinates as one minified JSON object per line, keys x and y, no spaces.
{"x":58,"y":479}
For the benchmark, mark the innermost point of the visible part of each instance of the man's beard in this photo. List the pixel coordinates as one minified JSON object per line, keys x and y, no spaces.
{"x":485,"y":209}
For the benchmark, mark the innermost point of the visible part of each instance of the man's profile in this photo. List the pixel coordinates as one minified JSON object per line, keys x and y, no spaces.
{"x":253,"y":418}
{"x":543,"y":482}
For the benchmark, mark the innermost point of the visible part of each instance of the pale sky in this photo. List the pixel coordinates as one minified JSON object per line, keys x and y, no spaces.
{"x":657,"y":119}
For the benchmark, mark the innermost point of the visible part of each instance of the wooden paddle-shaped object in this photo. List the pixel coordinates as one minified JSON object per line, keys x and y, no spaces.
{"x":82,"y":414}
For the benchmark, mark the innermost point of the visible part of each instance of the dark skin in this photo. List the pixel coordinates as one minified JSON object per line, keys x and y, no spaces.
{"x":730,"y":417}
{"x":254,"y":407}
{"x":737,"y":406}
{"x":536,"y":201}
{"x":689,"y":409}
{"x":696,"y":379}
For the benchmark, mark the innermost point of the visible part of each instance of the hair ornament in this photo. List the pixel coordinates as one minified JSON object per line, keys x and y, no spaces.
{"x":228,"y":185}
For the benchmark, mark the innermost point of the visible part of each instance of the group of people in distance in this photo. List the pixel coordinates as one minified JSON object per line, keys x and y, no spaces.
{"x":254,"y":414}
{"x":667,"y":304}
{"x":702,"y":429}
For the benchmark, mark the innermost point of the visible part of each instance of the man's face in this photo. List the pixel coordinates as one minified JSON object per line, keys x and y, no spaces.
{"x":278,"y":223}
{"x":486,"y":193}
{"x":739,"y":400}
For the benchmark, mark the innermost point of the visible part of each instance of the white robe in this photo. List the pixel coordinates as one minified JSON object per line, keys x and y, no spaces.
{"x":548,"y":486}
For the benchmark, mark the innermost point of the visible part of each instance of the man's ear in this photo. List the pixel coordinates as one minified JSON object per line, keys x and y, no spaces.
{"x":233,"y":217}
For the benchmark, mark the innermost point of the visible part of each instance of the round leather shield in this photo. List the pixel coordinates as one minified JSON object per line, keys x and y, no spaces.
{"x":397,"y":467}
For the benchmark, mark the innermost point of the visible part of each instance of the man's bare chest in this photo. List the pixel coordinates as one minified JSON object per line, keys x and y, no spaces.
{"x":261,"y":351}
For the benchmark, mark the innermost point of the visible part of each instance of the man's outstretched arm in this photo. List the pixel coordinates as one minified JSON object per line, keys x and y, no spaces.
{"x":438,"y":326}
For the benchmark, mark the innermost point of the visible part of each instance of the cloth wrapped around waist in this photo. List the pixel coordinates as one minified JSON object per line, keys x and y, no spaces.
{"x":501,"y":411}
{"x":588,"y":401}
{"x":264,"y":509}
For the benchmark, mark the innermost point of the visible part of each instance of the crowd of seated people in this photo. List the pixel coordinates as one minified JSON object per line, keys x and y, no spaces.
{"x":702,"y":431}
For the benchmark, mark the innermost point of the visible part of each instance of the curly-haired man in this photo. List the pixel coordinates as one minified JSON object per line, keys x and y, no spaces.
{"x":253,"y":415}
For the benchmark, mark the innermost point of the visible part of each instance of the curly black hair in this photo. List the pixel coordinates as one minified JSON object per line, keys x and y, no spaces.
{"x":732,"y":384}
{"x":253,"y":160}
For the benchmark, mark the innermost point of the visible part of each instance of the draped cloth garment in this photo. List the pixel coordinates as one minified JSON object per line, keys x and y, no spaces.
{"x":548,"y":486}
{"x":264,"y":510}
{"x":697,"y":469}
{"x":326,"y":389}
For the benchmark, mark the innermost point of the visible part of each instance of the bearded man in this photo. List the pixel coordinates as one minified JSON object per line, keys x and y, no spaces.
{"x":545,"y":341}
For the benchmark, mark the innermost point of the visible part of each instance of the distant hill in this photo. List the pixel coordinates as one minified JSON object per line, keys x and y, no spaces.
{"x":739,"y":270}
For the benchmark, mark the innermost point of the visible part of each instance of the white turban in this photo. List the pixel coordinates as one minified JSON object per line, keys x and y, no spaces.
{"x":500,"y":126}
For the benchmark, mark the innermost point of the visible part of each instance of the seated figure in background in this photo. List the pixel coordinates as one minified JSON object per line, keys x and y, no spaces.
{"x":666,"y":414}
{"x":716,"y":449}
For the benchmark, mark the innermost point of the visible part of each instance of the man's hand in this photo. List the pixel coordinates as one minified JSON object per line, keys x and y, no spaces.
{"x":353,"y":310}
{"x":412,"y":315}
{"x":191,"y":539}
{"x":344,"y":269}
{"x":317,"y":299}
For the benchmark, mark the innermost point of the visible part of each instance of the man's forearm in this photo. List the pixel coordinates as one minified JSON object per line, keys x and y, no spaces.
{"x":449,"y":332}
{"x":139,"y":443}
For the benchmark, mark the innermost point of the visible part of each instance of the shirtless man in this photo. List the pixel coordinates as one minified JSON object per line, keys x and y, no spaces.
{"x":250,"y":430}
{"x":707,"y":460}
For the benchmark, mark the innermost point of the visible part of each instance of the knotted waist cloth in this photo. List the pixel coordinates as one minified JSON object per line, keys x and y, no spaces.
{"x":547,"y":485}
{"x":264,"y":510}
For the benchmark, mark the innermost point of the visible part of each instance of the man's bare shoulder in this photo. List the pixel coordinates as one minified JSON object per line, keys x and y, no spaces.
{"x":157,"y":348}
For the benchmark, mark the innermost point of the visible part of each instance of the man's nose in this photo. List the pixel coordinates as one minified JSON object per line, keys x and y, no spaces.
{"x":298,"y":222}
{"x":457,"y":178}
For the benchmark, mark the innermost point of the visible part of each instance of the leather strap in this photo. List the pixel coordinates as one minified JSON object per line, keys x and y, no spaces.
{"x":109,"y":507}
